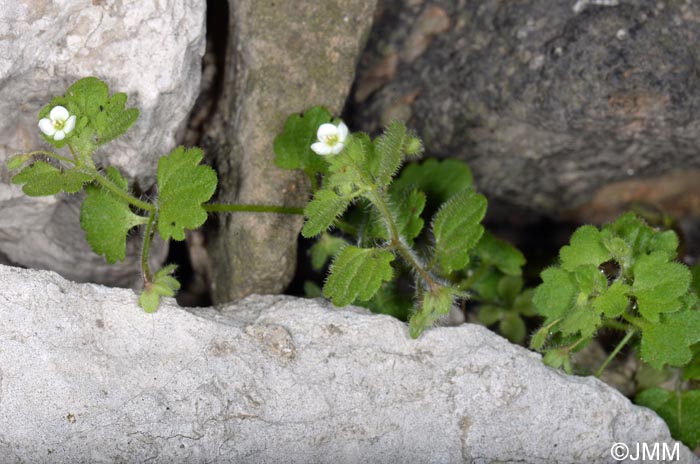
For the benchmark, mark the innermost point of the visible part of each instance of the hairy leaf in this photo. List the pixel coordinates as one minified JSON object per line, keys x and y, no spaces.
{"x":164,"y":284}
{"x":659,"y":285}
{"x":357,"y":273}
{"x":457,"y":228}
{"x":389,"y":149}
{"x":555,"y":295}
{"x":436,"y":303}
{"x":320,"y":213}
{"x":613,"y":302}
{"x":114,"y":119}
{"x":389,"y":300}
{"x":42,"y":179}
{"x":668,"y":341}
{"x":293,"y":146}
{"x":107,"y":219}
{"x":586,"y":247}
{"x":680,"y":410}
{"x":348,"y":170}
{"x":183,"y":186}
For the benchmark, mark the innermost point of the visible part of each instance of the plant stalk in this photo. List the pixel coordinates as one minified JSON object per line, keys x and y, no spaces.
{"x":146,"y":249}
{"x":614,"y":353}
{"x":236,"y":208}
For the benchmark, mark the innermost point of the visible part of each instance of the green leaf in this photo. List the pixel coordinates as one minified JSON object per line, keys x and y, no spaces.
{"x":691,"y":371}
{"x":389,"y":149}
{"x":409,"y":206}
{"x":42,"y":179}
{"x":163,"y":284}
{"x":114,"y":119}
{"x":509,"y":287}
{"x":668,"y":341}
{"x":438,"y":179}
{"x":659,"y":285}
{"x":348,"y":170}
{"x":320,"y":213}
{"x":107,"y":219}
{"x":680,"y":410}
{"x":293,"y":146}
{"x":496,"y":252}
{"x":457,"y":228}
{"x":183,"y":186}
{"x":513,"y":327}
{"x":357,"y":273}
{"x":489,"y":314}
{"x":558,"y":358}
{"x":312,"y":290}
{"x":586,"y":248}
{"x":555,"y":295}
{"x":582,"y":320}
{"x":436,"y":303}
{"x":325,"y":248}
{"x":613,"y":301}
{"x":89,"y":95}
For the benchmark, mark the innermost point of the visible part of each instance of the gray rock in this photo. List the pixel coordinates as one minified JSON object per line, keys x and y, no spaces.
{"x":149,"y":49}
{"x":86,"y":376}
{"x":284,"y":57}
{"x":548,"y":100}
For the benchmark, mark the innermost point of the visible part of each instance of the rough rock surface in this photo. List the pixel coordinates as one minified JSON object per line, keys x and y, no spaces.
{"x":85,"y":376}
{"x":548,"y":100}
{"x":283,"y":57}
{"x":149,"y":49}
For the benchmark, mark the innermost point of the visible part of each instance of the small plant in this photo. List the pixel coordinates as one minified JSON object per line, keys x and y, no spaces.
{"x":385,"y":243}
{"x":84,"y":119}
{"x":625,"y":278}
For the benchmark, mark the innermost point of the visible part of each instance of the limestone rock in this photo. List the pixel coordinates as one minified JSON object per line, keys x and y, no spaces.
{"x":149,"y":49}
{"x":548,"y":100}
{"x":283,"y":57}
{"x":86,"y":376}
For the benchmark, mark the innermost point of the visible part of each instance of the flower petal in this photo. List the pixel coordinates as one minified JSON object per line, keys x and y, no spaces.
{"x":337,"y":148}
{"x":321,"y":148}
{"x":59,"y":113}
{"x":70,"y":125}
{"x":326,"y":130}
{"x":59,"y":135}
{"x":342,"y":131}
{"x":46,"y":126}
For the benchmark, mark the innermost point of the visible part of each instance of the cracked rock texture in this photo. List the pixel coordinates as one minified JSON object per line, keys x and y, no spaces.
{"x":149,"y":49}
{"x":86,"y":376}
{"x":548,"y":100}
{"x":282,"y":58}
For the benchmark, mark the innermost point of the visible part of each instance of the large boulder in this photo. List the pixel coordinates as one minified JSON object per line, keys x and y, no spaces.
{"x":86,"y":376}
{"x":548,"y":100}
{"x":282,"y":58}
{"x":149,"y":49}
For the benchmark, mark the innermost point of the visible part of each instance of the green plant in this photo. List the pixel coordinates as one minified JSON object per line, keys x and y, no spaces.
{"x":386,"y":258}
{"x":84,"y":119}
{"x":624,"y":278}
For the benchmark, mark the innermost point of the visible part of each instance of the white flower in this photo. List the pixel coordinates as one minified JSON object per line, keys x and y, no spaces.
{"x":331,"y":139}
{"x":59,"y":123}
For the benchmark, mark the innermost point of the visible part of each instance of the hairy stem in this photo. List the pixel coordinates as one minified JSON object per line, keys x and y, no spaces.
{"x":51,"y":155}
{"x":236,"y":208}
{"x":397,"y":243}
{"x":146,"y":249}
{"x":109,"y":185}
{"x":614,"y":353}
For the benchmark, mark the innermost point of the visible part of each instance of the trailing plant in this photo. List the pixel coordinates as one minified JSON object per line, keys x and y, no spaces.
{"x":84,"y":119}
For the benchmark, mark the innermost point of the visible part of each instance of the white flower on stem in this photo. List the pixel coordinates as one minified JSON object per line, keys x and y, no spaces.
{"x":59,"y":123}
{"x":331,"y":139}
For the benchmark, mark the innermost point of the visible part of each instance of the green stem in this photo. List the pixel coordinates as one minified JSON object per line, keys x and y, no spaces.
{"x":397,"y":243}
{"x":236,"y":208}
{"x":617,"y":325}
{"x":146,"y":249}
{"x":51,"y":155}
{"x":617,"y":349}
{"x":109,"y":185}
